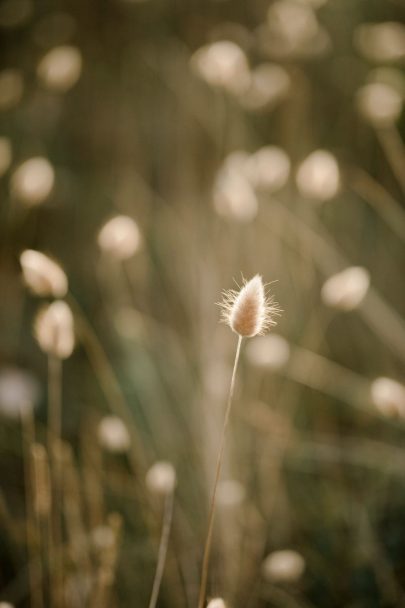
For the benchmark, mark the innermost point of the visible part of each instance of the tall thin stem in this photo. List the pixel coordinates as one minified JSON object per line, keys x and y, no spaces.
{"x":163,"y":546}
{"x":54,"y":436}
{"x":34,"y":565}
{"x":208,"y":541}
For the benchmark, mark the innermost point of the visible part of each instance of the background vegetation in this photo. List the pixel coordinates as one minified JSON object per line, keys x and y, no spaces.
{"x":142,"y":123}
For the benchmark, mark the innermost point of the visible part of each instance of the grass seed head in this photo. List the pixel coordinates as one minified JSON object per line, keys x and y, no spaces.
{"x":285,"y":566}
{"x":216,"y":602}
{"x":43,"y":276}
{"x":388,"y":396}
{"x":54,"y":330}
{"x":20,"y":392}
{"x":120,"y":237}
{"x":33,"y":181}
{"x":113,"y":435}
{"x":347,"y":289}
{"x":249,"y":312}
{"x":161,"y":478}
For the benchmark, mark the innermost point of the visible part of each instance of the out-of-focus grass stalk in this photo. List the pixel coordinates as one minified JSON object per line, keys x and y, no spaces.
{"x":377,"y":313}
{"x":163,"y":546}
{"x":54,"y":438}
{"x":73,"y":516}
{"x":42,"y":499}
{"x":92,"y":473}
{"x":108,"y":563}
{"x":208,"y":542}
{"x":392,"y":144}
{"x":109,"y":384}
{"x":34,"y":565}
{"x":8,"y":524}
{"x":318,"y":372}
{"x":390,"y":589}
{"x":373,"y":193}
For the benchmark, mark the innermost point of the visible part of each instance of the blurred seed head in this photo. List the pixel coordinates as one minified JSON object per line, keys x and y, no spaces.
{"x":120,"y":237}
{"x":11,"y":88}
{"x":388,"y":397}
{"x":295,"y":21}
{"x":381,"y":42}
{"x":269,"y":84}
{"x":347,"y":289}
{"x":285,"y":566}
{"x":248,"y":312}
{"x":379,"y":103}
{"x":113,"y":435}
{"x":223,"y":64}
{"x":103,"y":538}
{"x":60,"y":68}
{"x":6,"y":605}
{"x":292,"y":31}
{"x":43,"y":276}
{"x":318,"y":176}
{"x":19,"y":392}
{"x":5,"y":155}
{"x":32,"y":182}
{"x":271,"y":352}
{"x":233,"y":197}
{"x":235,"y":162}
{"x":230,"y":493}
{"x":216,"y":602}
{"x":54,"y":330}
{"x":161,"y":478}
{"x":268,"y":168}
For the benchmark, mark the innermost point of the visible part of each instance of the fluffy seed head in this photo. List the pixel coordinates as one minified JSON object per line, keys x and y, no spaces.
{"x":347,"y":289}
{"x":318,"y":176}
{"x":33,"y":181}
{"x":60,"y":68}
{"x":102,"y":538}
{"x":54,"y":330}
{"x":43,"y":276}
{"x":231,"y":493}
{"x":381,"y":42}
{"x":248,"y":312}
{"x":161,"y":478}
{"x":113,"y":435}
{"x":19,"y":392}
{"x":216,"y":602}
{"x":388,"y":396}
{"x":120,"y":237}
{"x":222,"y":64}
{"x":285,"y":566}
{"x":379,"y":103}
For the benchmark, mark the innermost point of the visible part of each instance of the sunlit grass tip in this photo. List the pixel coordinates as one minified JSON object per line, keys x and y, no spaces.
{"x":249,"y":311}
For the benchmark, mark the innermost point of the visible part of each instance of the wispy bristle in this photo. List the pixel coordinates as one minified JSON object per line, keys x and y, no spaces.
{"x":249,"y":312}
